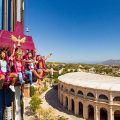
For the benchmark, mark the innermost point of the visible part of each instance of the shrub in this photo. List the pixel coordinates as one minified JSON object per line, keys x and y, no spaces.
{"x":35,"y":102}
{"x":48,"y":114}
{"x":44,"y":89}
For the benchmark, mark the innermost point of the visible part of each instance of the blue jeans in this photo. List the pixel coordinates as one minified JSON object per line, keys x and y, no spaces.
{"x":28,"y":73}
{"x":20,"y":77}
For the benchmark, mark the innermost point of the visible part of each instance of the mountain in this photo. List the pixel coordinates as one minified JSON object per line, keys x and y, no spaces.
{"x":111,"y":62}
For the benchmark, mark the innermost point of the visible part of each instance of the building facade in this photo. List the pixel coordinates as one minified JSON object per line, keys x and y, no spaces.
{"x":12,"y":11}
{"x":90,"y":96}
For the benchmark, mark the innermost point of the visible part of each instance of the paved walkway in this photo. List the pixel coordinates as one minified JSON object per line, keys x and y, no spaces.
{"x":50,"y":100}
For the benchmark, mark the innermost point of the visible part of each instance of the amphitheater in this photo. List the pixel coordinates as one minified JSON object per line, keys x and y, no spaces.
{"x":90,"y":96}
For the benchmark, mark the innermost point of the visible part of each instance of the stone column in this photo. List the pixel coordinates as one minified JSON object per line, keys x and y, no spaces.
{"x":76,"y":107}
{"x":85,"y":111}
{"x":69,"y":104}
{"x":96,"y":96}
{"x":110,"y":111}
{"x":110,"y":98}
{"x":96,"y":113}
{"x":64,"y":104}
{"x":110,"y":114}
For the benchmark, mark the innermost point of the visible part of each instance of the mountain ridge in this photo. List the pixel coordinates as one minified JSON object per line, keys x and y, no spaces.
{"x":111,"y":62}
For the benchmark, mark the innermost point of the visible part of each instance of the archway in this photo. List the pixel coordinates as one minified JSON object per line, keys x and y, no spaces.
{"x":66,"y":102}
{"x":80,"y":109}
{"x":80,"y":93}
{"x":117,"y":115}
{"x":103,"y":97}
{"x":103,"y":114}
{"x":91,"y":95}
{"x":90,"y":112}
{"x":72,"y":105}
{"x":72,"y":90}
{"x":117,"y":98}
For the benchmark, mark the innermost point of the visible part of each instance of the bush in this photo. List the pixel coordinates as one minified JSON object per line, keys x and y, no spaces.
{"x":48,"y":114}
{"x":44,"y":89}
{"x":35,"y":102}
{"x":55,"y":81}
{"x":56,"y":75}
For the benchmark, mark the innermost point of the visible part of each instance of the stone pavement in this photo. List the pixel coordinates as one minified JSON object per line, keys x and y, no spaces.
{"x":50,"y":100}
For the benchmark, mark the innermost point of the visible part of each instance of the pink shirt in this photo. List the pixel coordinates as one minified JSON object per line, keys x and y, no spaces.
{"x":19,"y":66}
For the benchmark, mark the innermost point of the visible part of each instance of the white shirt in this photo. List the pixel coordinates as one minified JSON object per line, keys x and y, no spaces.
{"x":3,"y":65}
{"x":31,"y":64}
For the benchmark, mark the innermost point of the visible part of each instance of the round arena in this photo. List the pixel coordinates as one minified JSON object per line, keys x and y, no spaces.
{"x":90,"y":96}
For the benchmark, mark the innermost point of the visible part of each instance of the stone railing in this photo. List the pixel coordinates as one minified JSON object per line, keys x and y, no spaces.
{"x":90,"y":98}
{"x":80,"y":95}
{"x":103,"y":100}
{"x":72,"y":93}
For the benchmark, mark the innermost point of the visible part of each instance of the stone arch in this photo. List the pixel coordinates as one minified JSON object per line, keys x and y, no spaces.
{"x":103,"y":114}
{"x":72,"y":90}
{"x":72,"y":105}
{"x":104,"y":97}
{"x":90,"y":94}
{"x":80,"y":109}
{"x":117,"y":115}
{"x":90,"y":112}
{"x":117,"y":98}
{"x":80,"y":92}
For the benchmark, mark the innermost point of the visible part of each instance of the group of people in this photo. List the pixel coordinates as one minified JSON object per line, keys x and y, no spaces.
{"x":18,"y":65}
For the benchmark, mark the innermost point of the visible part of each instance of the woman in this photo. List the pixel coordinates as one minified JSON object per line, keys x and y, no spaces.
{"x":30,"y":67}
{"x":41,"y":66}
{"x":18,"y":66}
{"x":5,"y":70}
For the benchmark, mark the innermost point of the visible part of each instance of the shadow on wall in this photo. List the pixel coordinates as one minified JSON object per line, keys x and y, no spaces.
{"x":52,"y":99}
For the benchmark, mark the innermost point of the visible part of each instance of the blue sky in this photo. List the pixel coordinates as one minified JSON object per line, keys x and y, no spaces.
{"x":75,"y":30}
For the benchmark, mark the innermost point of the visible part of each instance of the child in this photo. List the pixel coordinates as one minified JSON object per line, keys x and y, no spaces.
{"x":30,"y":67}
{"x":18,"y":65}
{"x":4,"y":70}
{"x":41,"y":65}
